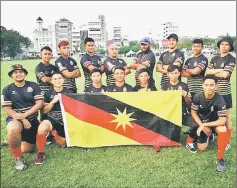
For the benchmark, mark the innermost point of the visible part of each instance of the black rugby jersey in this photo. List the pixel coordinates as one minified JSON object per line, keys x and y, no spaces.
{"x":227,"y":63}
{"x":109,"y":65}
{"x":92,"y":89}
{"x":123,"y":88}
{"x":42,"y":70}
{"x":22,"y":98}
{"x":87,"y":60}
{"x":209,"y":109}
{"x":67,"y":64}
{"x":149,"y":88}
{"x":168,"y":58}
{"x":195,"y":81}
{"x":146,"y":56}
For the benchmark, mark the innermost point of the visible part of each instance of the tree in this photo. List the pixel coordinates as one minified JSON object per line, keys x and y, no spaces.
{"x":135,"y":48}
{"x":12,"y":42}
{"x":186,"y":43}
{"x":133,"y":43}
{"x":124,"y":49}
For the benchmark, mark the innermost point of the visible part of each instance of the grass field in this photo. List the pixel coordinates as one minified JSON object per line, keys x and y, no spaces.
{"x":126,"y":166}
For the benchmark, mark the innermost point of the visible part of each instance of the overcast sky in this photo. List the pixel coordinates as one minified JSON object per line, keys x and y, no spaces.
{"x":135,"y":18}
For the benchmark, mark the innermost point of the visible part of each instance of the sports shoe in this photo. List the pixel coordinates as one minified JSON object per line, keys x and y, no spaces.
{"x":191,"y":148}
{"x":20,"y":164}
{"x":228,"y":147}
{"x":40,"y":159}
{"x":220,"y":165}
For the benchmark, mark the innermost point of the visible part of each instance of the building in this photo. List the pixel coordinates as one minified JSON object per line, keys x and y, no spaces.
{"x":43,"y":37}
{"x":63,"y":31}
{"x":167,"y":28}
{"x":125,"y":40}
{"x":117,"y":36}
{"x":75,"y":39}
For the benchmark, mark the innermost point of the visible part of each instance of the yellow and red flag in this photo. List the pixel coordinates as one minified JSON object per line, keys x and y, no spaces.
{"x":126,"y":118}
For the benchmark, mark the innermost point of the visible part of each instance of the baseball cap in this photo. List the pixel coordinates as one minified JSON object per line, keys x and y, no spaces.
{"x":16,"y":67}
{"x":173,"y":35}
{"x":145,"y":40}
{"x":226,"y":39}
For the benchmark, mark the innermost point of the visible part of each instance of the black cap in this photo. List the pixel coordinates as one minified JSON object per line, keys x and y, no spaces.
{"x":173,"y":35}
{"x":226,"y":39}
{"x":17,"y":67}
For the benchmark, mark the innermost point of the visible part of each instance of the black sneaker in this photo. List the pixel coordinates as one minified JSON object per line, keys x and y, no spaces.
{"x":191,"y":148}
{"x":40,"y":159}
{"x":220,"y":165}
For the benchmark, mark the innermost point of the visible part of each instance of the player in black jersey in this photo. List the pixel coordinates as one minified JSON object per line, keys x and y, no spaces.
{"x":68,"y":67}
{"x":144,"y":59}
{"x":89,"y":61}
{"x":119,"y":85}
{"x":96,"y":86}
{"x":111,"y":62}
{"x":209,"y":113}
{"x":173,"y":73}
{"x":54,"y":119}
{"x":222,"y":66}
{"x":171,"y":57}
{"x":21,"y":100}
{"x":194,"y":68}
{"x":143,"y":77}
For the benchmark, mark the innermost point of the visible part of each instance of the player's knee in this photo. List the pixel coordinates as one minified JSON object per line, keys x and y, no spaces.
{"x":13,"y":128}
{"x":43,"y":128}
{"x":221,"y":129}
{"x":202,"y":147}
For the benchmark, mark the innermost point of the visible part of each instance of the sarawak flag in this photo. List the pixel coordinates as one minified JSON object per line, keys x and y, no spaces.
{"x":124,"y":118}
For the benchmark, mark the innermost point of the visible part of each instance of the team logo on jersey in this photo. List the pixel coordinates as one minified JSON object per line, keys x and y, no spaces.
{"x":52,"y":71}
{"x":195,"y":64}
{"x":120,"y":61}
{"x":173,"y":54}
{"x":29,"y":89}
{"x":212,"y":108}
{"x":222,"y":65}
{"x":125,"y":89}
{"x":14,"y":93}
{"x":51,"y":96}
{"x":46,"y":72}
{"x":201,"y":106}
{"x":71,"y":63}
{"x":223,"y":107}
{"x":60,"y":65}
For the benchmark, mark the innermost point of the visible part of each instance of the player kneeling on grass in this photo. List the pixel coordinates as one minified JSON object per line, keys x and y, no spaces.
{"x":21,"y":100}
{"x":143,"y":77}
{"x":209,"y":112}
{"x":54,"y":120}
{"x":96,"y":86}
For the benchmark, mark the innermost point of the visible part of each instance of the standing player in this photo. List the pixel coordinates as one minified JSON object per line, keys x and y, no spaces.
{"x":119,"y":85}
{"x":143,"y":77}
{"x":194,"y":68}
{"x":96,"y":86}
{"x":209,"y":113}
{"x":54,"y":119}
{"x":222,"y":67}
{"x":67,"y":66}
{"x":171,"y":57}
{"x":111,"y":62}
{"x":144,"y":59}
{"x":89,"y":61}
{"x":21,"y":100}
{"x":173,"y":73}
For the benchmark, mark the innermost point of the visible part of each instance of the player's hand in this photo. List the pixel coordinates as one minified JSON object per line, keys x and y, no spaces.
{"x":55,"y":99}
{"x":165,"y":66}
{"x":26,"y":123}
{"x":200,"y":129}
{"x":184,"y":93}
{"x":207,"y":131}
{"x":147,"y":63}
{"x":19,"y":116}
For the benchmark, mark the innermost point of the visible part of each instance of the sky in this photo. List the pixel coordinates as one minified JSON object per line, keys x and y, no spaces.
{"x":137,"y":18}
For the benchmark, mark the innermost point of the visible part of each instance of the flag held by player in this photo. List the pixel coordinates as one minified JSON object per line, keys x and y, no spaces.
{"x":126,"y":118}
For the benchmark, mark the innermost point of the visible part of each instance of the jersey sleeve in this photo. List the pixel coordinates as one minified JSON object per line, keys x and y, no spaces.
{"x":85,"y":62}
{"x":108,"y":67}
{"x":38,"y":95}
{"x":202,"y":64}
{"x":151,"y":57}
{"x":60,"y":65}
{"x":124,"y":63}
{"x":161,"y":59}
{"x":195,"y":103}
{"x":230,"y":65}
{"x":39,"y":72}
{"x":221,"y":107}
{"x":185,"y":65}
{"x":5,"y":98}
{"x":46,"y":98}
{"x":75,"y":64}
{"x":211,"y":64}
{"x":179,"y":57}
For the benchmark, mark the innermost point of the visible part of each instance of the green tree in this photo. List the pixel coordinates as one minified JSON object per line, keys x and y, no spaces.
{"x":124,"y":49}
{"x":186,"y":43}
{"x":135,"y":48}
{"x":133,"y":43}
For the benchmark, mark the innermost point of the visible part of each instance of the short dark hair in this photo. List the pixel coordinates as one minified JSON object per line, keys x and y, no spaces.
{"x":198,"y":41}
{"x":96,"y":70}
{"x":171,"y":68}
{"x":210,"y":76}
{"x":88,"y":39}
{"x":57,"y":72}
{"x":143,"y":70}
{"x":46,"y":48}
{"x":119,"y":68}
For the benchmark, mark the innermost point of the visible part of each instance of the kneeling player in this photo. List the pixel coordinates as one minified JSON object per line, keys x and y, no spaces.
{"x":54,"y":120}
{"x":96,"y":86}
{"x":209,"y":112}
{"x":143,"y":77}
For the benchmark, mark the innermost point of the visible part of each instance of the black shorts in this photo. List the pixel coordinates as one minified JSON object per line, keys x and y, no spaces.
{"x":203,"y":138}
{"x":28,"y":135}
{"x":57,"y":126}
{"x":42,"y":115}
{"x":192,"y":95}
{"x":228,"y":100}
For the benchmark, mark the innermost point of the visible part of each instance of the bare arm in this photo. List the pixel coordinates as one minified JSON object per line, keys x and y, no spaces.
{"x":74,"y":74}
{"x":220,"y":122}
{"x":46,"y":79}
{"x":188,"y":101}
{"x":223,"y":74}
{"x":194,"y":71}
{"x":9,"y":111}
{"x":160,"y":69}
{"x":185,"y":74}
{"x":48,"y":107}
{"x":213,"y":71}
{"x":127,"y":71}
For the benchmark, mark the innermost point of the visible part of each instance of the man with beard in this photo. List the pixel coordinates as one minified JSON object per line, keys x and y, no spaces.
{"x":111,"y":62}
{"x":96,"y":86}
{"x":144,"y":59}
{"x":68,"y":67}
{"x":222,"y":67}
{"x":171,"y":57}
{"x":194,"y":68}
{"x":21,"y":101}
{"x":89,"y":61}
{"x":119,"y":85}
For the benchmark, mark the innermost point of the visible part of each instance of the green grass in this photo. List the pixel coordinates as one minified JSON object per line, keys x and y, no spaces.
{"x":125,"y":166}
